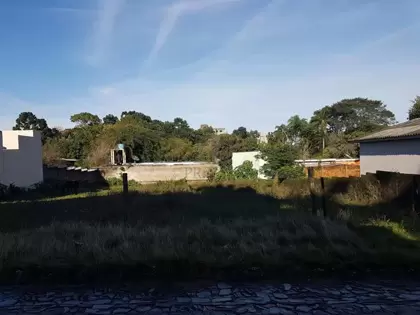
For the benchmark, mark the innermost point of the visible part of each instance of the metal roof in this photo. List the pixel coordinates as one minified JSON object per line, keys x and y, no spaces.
{"x":406,"y":129}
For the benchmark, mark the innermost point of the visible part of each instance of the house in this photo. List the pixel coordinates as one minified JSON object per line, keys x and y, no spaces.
{"x":20,"y":158}
{"x":220,"y":131}
{"x":263,"y":138}
{"x":238,"y":158}
{"x":395,"y":149}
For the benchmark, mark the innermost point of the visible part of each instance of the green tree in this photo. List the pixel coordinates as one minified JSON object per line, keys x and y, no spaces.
{"x":318,"y":128}
{"x":280,"y":159}
{"x":110,"y":119}
{"x":414,"y":111}
{"x":354,"y":115}
{"x":138,"y":115}
{"x":241,"y":132}
{"x":85,"y":119}
{"x":177,"y":150}
{"x":143,"y":142}
{"x":28,"y":121}
{"x":296,"y":133}
{"x":78,"y":142}
{"x":224,"y":145}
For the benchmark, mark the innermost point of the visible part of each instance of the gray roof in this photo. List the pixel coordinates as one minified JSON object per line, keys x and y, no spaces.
{"x":406,"y":129}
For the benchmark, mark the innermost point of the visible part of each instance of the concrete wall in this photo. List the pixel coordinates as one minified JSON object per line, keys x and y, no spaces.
{"x":79,"y":174}
{"x":400,"y":156}
{"x":155,"y":172}
{"x":21,"y":158}
{"x":238,"y":158}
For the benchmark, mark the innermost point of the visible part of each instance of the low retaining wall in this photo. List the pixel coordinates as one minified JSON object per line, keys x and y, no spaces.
{"x":52,"y":173}
{"x":155,"y":172}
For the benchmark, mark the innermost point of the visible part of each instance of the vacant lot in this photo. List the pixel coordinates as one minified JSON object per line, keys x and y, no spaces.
{"x":182,"y":230}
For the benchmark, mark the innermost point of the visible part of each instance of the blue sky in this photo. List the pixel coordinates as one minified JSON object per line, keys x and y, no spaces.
{"x":227,"y":63}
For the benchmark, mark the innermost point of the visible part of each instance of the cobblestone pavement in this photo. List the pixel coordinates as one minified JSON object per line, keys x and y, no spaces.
{"x":320,"y":299}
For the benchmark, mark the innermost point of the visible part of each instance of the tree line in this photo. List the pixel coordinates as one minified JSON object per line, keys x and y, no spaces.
{"x":324,"y":135}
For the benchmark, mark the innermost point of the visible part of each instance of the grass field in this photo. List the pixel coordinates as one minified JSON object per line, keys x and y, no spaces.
{"x":185,"y":230}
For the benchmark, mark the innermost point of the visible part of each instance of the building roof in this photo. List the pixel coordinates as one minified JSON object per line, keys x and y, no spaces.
{"x":408,"y":129}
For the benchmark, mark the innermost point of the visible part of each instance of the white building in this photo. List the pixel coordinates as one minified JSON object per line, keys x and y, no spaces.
{"x":238,"y":158}
{"x":20,"y":158}
{"x":220,"y":131}
{"x":263,"y":138}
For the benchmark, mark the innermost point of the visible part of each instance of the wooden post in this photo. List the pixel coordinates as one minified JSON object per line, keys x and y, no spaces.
{"x":125,"y":183}
{"x":312,"y":189}
{"x":324,"y":203}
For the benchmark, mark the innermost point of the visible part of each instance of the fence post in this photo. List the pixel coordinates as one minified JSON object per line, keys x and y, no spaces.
{"x":324,"y":203}
{"x":125,"y":183}
{"x":311,"y":189}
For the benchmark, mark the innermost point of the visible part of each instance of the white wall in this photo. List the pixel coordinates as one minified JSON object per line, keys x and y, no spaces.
{"x":238,"y":158}
{"x":21,"y":158}
{"x":401,"y":156}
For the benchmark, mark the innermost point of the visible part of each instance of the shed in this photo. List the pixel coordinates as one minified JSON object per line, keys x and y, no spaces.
{"x":394,"y":149}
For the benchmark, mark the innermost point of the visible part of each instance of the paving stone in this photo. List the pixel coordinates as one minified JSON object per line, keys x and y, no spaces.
{"x":303,"y":308}
{"x":204,"y":294}
{"x":373,"y":308}
{"x":183,"y":300}
{"x":280,"y":296}
{"x":8,"y":302}
{"x":354,"y":298}
{"x":224,"y":292}
{"x":143,"y":309}
{"x":121,"y":310}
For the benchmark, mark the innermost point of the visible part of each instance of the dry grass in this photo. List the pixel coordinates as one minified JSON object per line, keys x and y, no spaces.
{"x":176,"y":225}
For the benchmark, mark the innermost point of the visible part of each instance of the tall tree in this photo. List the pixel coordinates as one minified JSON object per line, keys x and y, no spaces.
{"x":28,"y":121}
{"x":296,"y":133}
{"x":85,"y":119}
{"x":414,"y":111}
{"x":138,"y":115}
{"x":241,"y":132}
{"x":357,"y":114}
{"x":319,"y":128}
{"x":110,"y":119}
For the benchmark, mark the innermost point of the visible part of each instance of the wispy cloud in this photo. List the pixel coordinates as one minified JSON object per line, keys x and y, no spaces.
{"x":172,"y":14}
{"x":69,"y":10}
{"x":103,"y":30}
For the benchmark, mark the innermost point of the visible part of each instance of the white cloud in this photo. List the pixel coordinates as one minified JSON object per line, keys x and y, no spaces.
{"x":172,"y":14}
{"x":103,"y":30}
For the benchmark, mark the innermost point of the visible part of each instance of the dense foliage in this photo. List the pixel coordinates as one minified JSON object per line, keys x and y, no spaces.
{"x":325,"y":134}
{"x":414,"y":111}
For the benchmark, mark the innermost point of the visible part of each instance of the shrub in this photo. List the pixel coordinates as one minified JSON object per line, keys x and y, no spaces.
{"x":290,"y":172}
{"x":242,"y":172}
{"x":245,"y":171}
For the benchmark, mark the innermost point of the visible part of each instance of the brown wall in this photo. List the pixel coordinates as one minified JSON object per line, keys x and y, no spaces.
{"x":345,"y":170}
{"x":161,"y":172}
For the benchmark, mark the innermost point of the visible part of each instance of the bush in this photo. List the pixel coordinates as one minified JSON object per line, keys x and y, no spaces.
{"x":242,"y":172}
{"x":290,"y":172}
{"x":245,"y":171}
